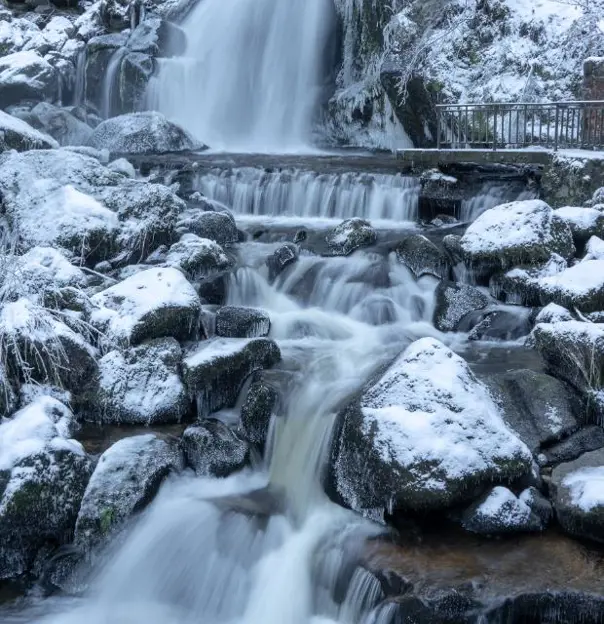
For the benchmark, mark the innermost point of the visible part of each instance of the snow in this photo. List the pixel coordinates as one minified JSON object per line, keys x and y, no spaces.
{"x":553,"y":313}
{"x":503,"y":506}
{"x":429,"y":407}
{"x":43,"y":425}
{"x":594,"y":250}
{"x":579,"y":280}
{"x":216,"y":349}
{"x":586,"y":487}
{"x":33,"y":137}
{"x":581,"y":218}
{"x":17,"y":68}
{"x":121,"y":165}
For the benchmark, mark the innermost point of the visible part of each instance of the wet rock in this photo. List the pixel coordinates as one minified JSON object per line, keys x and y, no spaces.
{"x":155,"y":303}
{"x":518,"y":233}
{"x":240,"y":322}
{"x":135,"y":72}
{"x":158,"y":38}
{"x":452,"y":245}
{"x":501,"y":325}
{"x":213,"y":289}
{"x":26,"y":75}
{"x":578,"y":497}
{"x":215,"y":373}
{"x":19,"y":135}
{"x":141,"y":133}
{"x":453,"y":302}
{"x":142,"y":385}
{"x":198,"y":257}
{"x":583,"y":223}
{"x":219,"y":227}
{"x":213,"y":449}
{"x":257,"y":410}
{"x":539,"y":408}
{"x":43,"y":475}
{"x":423,"y":257}
{"x":350,"y":235}
{"x":59,"y":123}
{"x":426,"y":436}
{"x":500,"y":511}
{"x":587,"y":439}
{"x":280,"y":259}
{"x":125,"y":480}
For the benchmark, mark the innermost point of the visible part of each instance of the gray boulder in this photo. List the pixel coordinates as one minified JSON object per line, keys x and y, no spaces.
{"x":59,"y":123}
{"x":578,"y":496}
{"x":240,"y":322}
{"x":219,"y":227}
{"x":583,"y":223}
{"x":158,"y":38}
{"x":350,"y":235}
{"x":425,"y":436}
{"x":281,"y":258}
{"x":125,"y":480}
{"x":142,"y":385}
{"x":19,"y":135}
{"x":502,"y":325}
{"x":590,"y":438}
{"x":553,"y":313}
{"x":454,"y":302}
{"x":215,"y":373}
{"x":26,"y":75}
{"x":257,"y":410}
{"x":198,"y":257}
{"x":422,"y":257}
{"x":213,"y":449}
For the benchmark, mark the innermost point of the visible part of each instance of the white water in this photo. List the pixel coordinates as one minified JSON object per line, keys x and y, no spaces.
{"x":190,"y":561}
{"x":110,"y":83}
{"x":250,"y":79}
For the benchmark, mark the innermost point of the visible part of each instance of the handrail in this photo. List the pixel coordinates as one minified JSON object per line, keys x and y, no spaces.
{"x":502,"y":125}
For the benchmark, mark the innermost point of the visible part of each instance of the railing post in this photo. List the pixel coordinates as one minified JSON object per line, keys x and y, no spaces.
{"x":495,"y":111}
{"x":438,"y":128}
{"x":556,"y":127}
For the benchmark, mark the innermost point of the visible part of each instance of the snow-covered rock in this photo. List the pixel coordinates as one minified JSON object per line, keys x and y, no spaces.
{"x":216,"y":371}
{"x":350,"y":235}
{"x":281,"y":258}
{"x":155,"y":303}
{"x":594,"y":250}
{"x":197,"y":257}
{"x":523,"y":232}
{"x":43,"y":474}
{"x":141,"y":133}
{"x":213,"y":449}
{"x":578,"y":495}
{"x":216,"y":226}
{"x":142,"y":385}
{"x":583,"y":223}
{"x":501,"y":511}
{"x":19,"y":135}
{"x":425,"y":436}
{"x":553,"y":313}
{"x":257,"y":410}
{"x":422,"y":257}
{"x":121,"y":165}
{"x":26,"y":75}
{"x":125,"y":480}
{"x":499,"y":324}
{"x":59,"y":123}
{"x":455,"y":301}
{"x":240,"y":322}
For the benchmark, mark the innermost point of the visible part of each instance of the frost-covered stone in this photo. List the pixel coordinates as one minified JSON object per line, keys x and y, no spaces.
{"x":257,"y":410}
{"x":240,"y":322}
{"x":422,"y":257}
{"x":553,"y":313}
{"x":125,"y":480}
{"x":26,"y":75}
{"x":578,"y":495}
{"x":43,"y":474}
{"x":59,"y":123}
{"x":158,"y":38}
{"x":594,"y":249}
{"x":455,"y":301}
{"x":34,"y":345}
{"x":583,"y":223}
{"x":19,"y":135}
{"x":350,"y":235}
{"x":142,"y":385}
{"x":590,"y":438}
{"x":216,"y":371}
{"x":197,"y":257}
{"x":500,"y":511}
{"x":539,"y":408}
{"x":426,"y":436}
{"x":522,"y":232}
{"x":216,"y":226}
{"x":141,"y":133}
{"x":121,"y":165}
{"x":213,"y":449}
{"x":155,"y":303}
{"x":281,"y":258}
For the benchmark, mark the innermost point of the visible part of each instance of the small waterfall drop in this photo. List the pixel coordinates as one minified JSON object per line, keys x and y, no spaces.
{"x":250,"y":79}
{"x":110,"y":84}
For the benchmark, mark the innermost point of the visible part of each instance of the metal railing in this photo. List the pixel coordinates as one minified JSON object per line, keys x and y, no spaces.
{"x":560,"y":125}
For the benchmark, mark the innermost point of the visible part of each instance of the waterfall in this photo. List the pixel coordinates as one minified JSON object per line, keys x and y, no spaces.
{"x":250,"y":79}
{"x":79,"y":88}
{"x":308,"y":194}
{"x":111,"y":84}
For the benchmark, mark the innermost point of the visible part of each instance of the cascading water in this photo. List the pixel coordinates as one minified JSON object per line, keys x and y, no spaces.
{"x":110,"y":83}
{"x":251,"y":76}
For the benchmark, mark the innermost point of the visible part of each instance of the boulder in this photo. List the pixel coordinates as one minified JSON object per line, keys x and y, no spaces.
{"x":155,"y":303}
{"x":216,"y":371}
{"x":43,"y":475}
{"x":519,"y":233}
{"x":126,"y":479}
{"x":425,"y":436}
{"x":539,"y":408}
{"x":123,"y":166}
{"x":59,"y":123}
{"x":257,"y":410}
{"x":502,"y":324}
{"x":594,"y":249}
{"x":135,"y":72}
{"x":213,"y":449}
{"x":281,"y":258}
{"x":578,"y":495}
{"x":142,"y":385}
{"x":500,"y":511}
{"x":158,"y":38}
{"x":455,"y":301}
{"x":553,"y":313}
{"x":590,"y":438}
{"x":452,"y":245}
{"x":350,"y":235}
{"x":18,"y":135}
{"x":26,"y":75}
{"x":219,"y":227}
{"x":422,"y":257}
{"x":240,"y":322}
{"x":198,"y":257}
{"x":583,"y":223}
{"x":141,"y":133}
